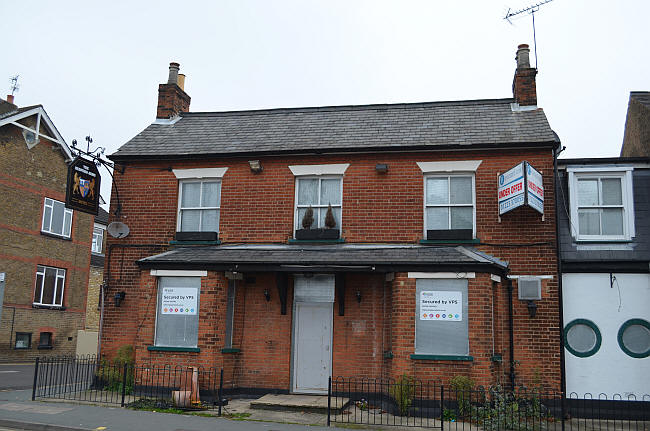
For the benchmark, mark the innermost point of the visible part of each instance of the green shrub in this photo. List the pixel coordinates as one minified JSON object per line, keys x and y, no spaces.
{"x":506,"y":410}
{"x":111,"y":373}
{"x":402,"y":391}
{"x":462,"y":387}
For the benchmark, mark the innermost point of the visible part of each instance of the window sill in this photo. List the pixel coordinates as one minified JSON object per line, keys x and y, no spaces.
{"x":54,"y":235}
{"x":49,"y":307}
{"x":22,"y":348}
{"x":316,"y":241}
{"x":175,"y":242}
{"x":173,"y":349}
{"x":417,"y":356}
{"x":603,"y":240}
{"x":230,"y":350}
{"x":450,"y":241}
{"x":44,"y":347}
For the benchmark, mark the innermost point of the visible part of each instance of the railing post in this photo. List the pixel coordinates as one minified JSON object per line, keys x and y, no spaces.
{"x":220,"y":391}
{"x":35,"y":379}
{"x":563,"y":408}
{"x":126,"y":365}
{"x":329,"y":398}
{"x":442,"y":407}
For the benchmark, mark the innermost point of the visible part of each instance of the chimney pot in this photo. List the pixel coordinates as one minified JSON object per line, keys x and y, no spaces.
{"x":181,"y":81}
{"x":173,"y":73}
{"x":10,"y":98}
{"x":523,"y":56}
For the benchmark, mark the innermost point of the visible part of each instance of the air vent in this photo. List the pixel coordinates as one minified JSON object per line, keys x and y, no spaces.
{"x":530,"y":288}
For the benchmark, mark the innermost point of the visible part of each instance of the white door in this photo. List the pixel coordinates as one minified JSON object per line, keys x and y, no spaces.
{"x":312,"y":335}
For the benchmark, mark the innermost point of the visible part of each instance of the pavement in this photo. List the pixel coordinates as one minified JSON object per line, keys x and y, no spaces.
{"x":17,"y":412}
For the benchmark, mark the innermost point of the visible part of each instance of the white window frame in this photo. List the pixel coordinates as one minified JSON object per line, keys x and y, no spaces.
{"x":316,"y":208}
{"x":624,"y":173}
{"x":60,"y":277}
{"x":102,"y":228}
{"x":180,"y":200}
{"x":49,"y":203}
{"x":449,"y":205}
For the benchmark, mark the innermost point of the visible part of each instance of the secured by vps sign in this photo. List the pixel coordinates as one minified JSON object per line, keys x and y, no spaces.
{"x":521,"y":185}
{"x":82,"y":190}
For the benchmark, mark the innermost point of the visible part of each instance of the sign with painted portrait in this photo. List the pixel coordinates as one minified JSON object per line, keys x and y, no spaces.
{"x":82,"y":189}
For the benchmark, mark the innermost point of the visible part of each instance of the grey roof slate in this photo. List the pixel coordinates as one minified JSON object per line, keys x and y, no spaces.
{"x":102,"y":216}
{"x":371,"y":127}
{"x":348,"y":255}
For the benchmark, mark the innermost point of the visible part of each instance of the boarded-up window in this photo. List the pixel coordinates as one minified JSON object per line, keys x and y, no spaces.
{"x":177,"y":313}
{"x":441,"y":317}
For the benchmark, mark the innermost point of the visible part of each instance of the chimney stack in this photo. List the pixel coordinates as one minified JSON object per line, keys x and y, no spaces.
{"x":524,"y":89}
{"x":10,"y":98}
{"x":172,"y":98}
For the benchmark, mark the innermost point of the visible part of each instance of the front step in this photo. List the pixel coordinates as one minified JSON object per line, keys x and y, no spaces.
{"x":298,"y":403}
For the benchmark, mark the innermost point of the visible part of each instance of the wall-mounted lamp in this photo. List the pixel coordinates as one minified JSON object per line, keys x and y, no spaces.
{"x":359,"y":296}
{"x":256,"y":166}
{"x":119,"y":297}
{"x":381,"y":168}
{"x":532,"y":308}
{"x":267,"y":295}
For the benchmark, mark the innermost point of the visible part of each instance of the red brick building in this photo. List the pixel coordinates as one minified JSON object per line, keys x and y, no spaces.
{"x":414,"y":275}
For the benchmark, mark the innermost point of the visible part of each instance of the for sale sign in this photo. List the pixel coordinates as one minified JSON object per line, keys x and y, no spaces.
{"x":179,"y":300}
{"x":534,"y":189}
{"x":521,"y":185}
{"x":441,"y":305}
{"x":511,"y":189}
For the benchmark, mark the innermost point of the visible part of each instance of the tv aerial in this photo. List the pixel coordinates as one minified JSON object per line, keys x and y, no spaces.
{"x":530,"y":10}
{"x":14,"y":84}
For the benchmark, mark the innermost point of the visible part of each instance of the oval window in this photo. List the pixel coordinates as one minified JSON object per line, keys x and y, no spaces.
{"x":582,"y":338}
{"x":634,"y":338}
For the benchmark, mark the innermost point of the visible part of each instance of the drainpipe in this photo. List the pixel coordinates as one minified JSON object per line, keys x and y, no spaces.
{"x":511,"y":335}
{"x":556,"y":153}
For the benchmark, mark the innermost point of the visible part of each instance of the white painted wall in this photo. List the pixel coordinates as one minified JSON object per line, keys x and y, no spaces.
{"x":610,"y":370}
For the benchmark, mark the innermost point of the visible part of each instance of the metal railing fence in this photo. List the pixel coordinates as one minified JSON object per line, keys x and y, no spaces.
{"x":93,"y":380}
{"x":408,"y":402}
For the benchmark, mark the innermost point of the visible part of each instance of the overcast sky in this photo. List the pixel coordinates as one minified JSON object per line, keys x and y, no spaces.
{"x":96,"y":66}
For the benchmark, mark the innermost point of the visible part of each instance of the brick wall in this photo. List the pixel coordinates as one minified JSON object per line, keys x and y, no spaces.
{"x":27,"y":176}
{"x":376,"y":208}
{"x":92,"y":299}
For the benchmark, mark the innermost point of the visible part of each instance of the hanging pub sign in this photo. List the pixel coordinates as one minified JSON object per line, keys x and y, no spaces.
{"x":82,"y":189}
{"x":521,"y":185}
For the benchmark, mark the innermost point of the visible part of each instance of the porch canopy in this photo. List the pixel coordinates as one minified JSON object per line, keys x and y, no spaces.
{"x":327,"y":258}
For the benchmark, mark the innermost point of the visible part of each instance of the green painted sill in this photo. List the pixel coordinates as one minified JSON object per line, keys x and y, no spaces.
{"x":230,"y":350}
{"x":174,"y":349}
{"x":450,"y":241}
{"x":442,"y":357}
{"x":174,"y":242}
{"x":317,"y":241}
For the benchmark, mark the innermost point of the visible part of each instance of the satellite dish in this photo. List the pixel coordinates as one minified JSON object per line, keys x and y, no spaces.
{"x":117,"y":229}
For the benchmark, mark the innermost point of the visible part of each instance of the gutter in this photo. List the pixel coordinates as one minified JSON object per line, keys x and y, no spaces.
{"x":117,"y":158}
{"x":511,"y":336}
{"x":556,"y":153}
